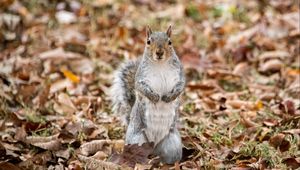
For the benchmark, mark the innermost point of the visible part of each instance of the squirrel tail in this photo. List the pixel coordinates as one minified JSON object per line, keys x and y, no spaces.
{"x":122,"y":90}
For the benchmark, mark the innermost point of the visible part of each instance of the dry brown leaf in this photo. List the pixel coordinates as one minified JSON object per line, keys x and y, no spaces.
{"x":20,"y":134}
{"x":270,"y":122}
{"x":58,"y":53}
{"x":247,"y":122}
{"x":274,"y":55}
{"x":176,"y":12}
{"x":66,"y":154}
{"x":292,"y":131}
{"x":65,"y":104}
{"x":271,"y":65}
{"x":267,"y":96}
{"x":280,"y":141}
{"x":83,"y":125}
{"x":142,"y":167}
{"x":100,"y":155}
{"x":36,"y":139}
{"x":8,"y":166}
{"x":42,"y":96}
{"x":42,"y":158}
{"x":49,"y":143}
{"x":63,"y":109}
{"x":237,"y":104}
{"x":242,"y":53}
{"x":2,"y":150}
{"x":250,"y":114}
{"x":75,"y":165}
{"x":293,"y":163}
{"x":93,"y":146}
{"x":92,"y":163}
{"x":82,"y":66}
{"x":118,"y":145}
{"x":60,"y":85}
{"x":133,"y":154}
{"x":205,"y":85}
{"x":242,"y":36}
{"x":241,"y":69}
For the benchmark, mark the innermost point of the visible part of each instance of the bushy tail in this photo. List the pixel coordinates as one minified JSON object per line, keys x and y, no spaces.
{"x":122,"y":89}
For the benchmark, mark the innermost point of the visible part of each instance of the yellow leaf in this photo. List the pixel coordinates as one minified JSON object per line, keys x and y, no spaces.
{"x":293,"y":72}
{"x":259,"y":105}
{"x":71,"y":76}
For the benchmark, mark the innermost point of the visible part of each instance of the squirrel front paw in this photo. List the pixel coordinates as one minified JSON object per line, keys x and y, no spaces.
{"x":155,"y":98}
{"x":166,"y":98}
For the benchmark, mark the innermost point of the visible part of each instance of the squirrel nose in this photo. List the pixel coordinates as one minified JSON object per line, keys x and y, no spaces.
{"x":159,"y":53}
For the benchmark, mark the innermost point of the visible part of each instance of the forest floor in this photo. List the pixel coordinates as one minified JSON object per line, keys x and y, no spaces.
{"x":240,"y":108}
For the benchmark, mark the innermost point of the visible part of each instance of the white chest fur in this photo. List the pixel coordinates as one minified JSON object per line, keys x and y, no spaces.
{"x":162,"y":77}
{"x":160,"y":116}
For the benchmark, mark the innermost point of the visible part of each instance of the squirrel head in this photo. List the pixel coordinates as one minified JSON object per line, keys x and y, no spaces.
{"x":159,"y":45}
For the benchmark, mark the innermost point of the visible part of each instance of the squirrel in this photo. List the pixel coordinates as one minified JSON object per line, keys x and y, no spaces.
{"x":147,"y":91}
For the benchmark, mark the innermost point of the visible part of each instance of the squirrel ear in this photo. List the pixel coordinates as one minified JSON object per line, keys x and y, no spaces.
{"x":169,"y":31}
{"x":149,"y":31}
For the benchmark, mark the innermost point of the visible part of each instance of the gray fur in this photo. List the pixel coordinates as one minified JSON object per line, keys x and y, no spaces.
{"x":122,"y":91}
{"x":150,"y":91}
{"x":169,"y":149}
{"x":134,"y":133}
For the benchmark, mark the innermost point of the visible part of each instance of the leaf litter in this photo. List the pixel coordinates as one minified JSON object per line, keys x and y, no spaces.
{"x":240,"y":108}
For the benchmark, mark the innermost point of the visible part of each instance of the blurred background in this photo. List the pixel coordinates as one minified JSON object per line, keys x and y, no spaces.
{"x":241,"y":60}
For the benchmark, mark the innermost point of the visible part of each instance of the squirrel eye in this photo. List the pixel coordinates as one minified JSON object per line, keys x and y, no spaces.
{"x":148,"y":42}
{"x":170,"y":42}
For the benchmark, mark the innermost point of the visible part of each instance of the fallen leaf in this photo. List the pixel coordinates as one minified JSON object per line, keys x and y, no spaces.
{"x":241,"y":69}
{"x":83,"y":125}
{"x":133,"y":154}
{"x":82,"y":66}
{"x":280,"y":141}
{"x":241,"y":53}
{"x":49,"y":143}
{"x":93,"y":147}
{"x":60,"y":85}
{"x":293,"y":163}
{"x":7,"y":165}
{"x":2,"y":150}
{"x":270,"y":122}
{"x":65,"y":104}
{"x":290,"y":107}
{"x":91,"y":163}
{"x":59,"y":53}
{"x":259,"y":105}
{"x":71,"y":76}
{"x":274,"y":55}
{"x":240,"y":104}
{"x":293,"y":72}
{"x":292,"y":131}
{"x":271,"y":65}
{"x":100,"y":155}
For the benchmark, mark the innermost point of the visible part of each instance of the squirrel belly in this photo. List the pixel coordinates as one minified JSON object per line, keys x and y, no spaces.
{"x":159,"y":120}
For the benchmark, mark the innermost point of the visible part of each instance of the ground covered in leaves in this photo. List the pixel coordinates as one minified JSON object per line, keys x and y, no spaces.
{"x":240,"y":108}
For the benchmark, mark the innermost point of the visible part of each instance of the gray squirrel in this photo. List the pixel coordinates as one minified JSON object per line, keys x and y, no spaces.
{"x":147,"y":91}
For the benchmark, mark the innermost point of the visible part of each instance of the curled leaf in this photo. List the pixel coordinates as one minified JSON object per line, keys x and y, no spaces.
{"x":272,"y":65}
